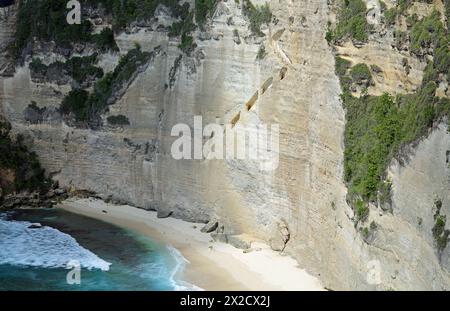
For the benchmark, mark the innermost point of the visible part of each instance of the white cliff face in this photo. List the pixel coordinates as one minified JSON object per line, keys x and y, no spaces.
{"x":422,"y":179}
{"x":294,"y":86}
{"x":418,"y":184}
{"x":7,"y":22}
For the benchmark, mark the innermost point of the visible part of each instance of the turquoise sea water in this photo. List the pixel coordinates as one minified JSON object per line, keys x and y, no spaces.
{"x":111,"y":258}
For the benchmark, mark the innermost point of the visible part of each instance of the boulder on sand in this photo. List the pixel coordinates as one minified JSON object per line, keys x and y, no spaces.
{"x":164,"y":213}
{"x":210,"y":226}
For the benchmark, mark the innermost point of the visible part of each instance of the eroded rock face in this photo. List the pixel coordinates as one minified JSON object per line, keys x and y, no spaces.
{"x":419,"y":184}
{"x":294,"y":86}
{"x":7,"y":22}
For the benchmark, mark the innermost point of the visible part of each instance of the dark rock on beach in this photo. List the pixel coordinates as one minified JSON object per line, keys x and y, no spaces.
{"x":164,"y":213}
{"x":35,"y":226}
{"x":211,"y":226}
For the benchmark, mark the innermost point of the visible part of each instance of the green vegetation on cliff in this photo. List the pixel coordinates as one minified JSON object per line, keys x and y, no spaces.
{"x":369,"y":136}
{"x":105,"y":40}
{"x":19,"y":168}
{"x":125,"y":12}
{"x":342,"y":65}
{"x":45,"y":20}
{"x":352,"y":22}
{"x":376,"y":130}
{"x":203,"y":10}
{"x":400,"y":8}
{"x":76,"y":102}
{"x":362,"y":210}
{"x":88,"y":108}
{"x":258,"y":15}
{"x":119,"y":120}
{"x":428,"y":33}
{"x":440,"y":234}
{"x":379,"y":127}
{"x":80,"y":69}
{"x":184,"y":28}
{"x":361,"y":73}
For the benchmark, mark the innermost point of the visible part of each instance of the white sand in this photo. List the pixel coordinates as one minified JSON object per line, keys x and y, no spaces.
{"x":212,"y":265}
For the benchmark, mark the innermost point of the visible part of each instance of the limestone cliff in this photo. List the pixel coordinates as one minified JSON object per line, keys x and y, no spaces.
{"x":303,"y":202}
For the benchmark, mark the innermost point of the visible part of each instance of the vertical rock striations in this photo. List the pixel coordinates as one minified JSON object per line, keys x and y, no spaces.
{"x":285,"y":76}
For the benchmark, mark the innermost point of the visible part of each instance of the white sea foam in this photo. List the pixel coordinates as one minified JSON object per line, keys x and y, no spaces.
{"x":181,"y":262}
{"x":44,"y":247}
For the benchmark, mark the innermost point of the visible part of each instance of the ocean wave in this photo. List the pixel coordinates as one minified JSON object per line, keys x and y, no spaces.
{"x":181,"y":262}
{"x":43,"y":247}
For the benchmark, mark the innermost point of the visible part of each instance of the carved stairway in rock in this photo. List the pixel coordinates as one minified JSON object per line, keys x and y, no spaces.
{"x":253,"y":101}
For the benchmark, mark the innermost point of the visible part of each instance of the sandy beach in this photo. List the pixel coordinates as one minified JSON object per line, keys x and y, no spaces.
{"x":212,"y":265}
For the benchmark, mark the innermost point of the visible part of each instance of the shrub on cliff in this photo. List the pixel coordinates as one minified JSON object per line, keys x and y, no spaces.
{"x":119,"y":120}
{"x":186,"y":25}
{"x":203,"y":9}
{"x":103,"y":89}
{"x":261,"y":52}
{"x":372,"y":128}
{"x":342,"y":65}
{"x":440,"y":234}
{"x":124,"y":12}
{"x":258,"y":15}
{"x":25,"y":172}
{"x":81,"y":69}
{"x":390,"y":15}
{"x":361,"y":74}
{"x":183,"y":29}
{"x":428,"y":34}
{"x":362,"y":211}
{"x":352,"y":21}
{"x":127,"y":67}
{"x":36,"y":66}
{"x":45,"y":20}
{"x":441,"y":62}
{"x":105,"y":40}
{"x":187,"y":43}
{"x":76,"y":102}
{"x":88,"y":107}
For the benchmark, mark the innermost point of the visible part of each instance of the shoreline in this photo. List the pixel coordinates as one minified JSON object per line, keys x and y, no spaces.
{"x":211,"y":266}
